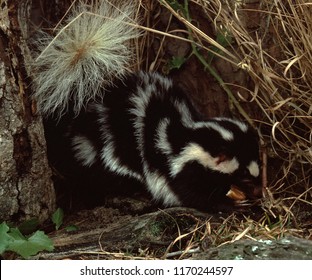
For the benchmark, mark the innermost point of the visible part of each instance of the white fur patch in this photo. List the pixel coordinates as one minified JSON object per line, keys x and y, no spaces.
{"x":185,"y":113}
{"x":84,"y":151}
{"x":225,"y":134}
{"x":253,"y":168}
{"x":158,"y":187}
{"x":242,"y":126}
{"x":188,"y":121}
{"x":153,"y":77}
{"x":114,"y":164}
{"x":162,"y":142}
{"x":194,"y":152}
{"x":108,"y":157}
{"x":228,"y":166}
{"x":141,"y":99}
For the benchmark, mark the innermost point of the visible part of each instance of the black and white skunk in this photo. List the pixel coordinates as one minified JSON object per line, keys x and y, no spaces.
{"x":138,"y":125}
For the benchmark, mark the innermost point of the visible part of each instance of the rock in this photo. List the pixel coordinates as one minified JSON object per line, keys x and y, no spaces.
{"x":287,"y":248}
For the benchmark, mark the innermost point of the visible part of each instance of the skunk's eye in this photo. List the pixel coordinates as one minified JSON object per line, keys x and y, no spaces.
{"x":222,"y":157}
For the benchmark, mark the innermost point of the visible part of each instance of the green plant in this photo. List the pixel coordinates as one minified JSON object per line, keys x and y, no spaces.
{"x":12,"y":239}
{"x":57,"y":218}
{"x":25,"y":240}
{"x":176,"y":62}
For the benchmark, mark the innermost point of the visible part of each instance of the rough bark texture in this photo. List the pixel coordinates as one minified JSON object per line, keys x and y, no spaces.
{"x":26,"y":188}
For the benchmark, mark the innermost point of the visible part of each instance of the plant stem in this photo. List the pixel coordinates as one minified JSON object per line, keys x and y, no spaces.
{"x":210,"y":68}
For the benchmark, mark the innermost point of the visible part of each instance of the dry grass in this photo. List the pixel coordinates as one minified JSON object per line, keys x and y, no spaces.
{"x":276,"y":55}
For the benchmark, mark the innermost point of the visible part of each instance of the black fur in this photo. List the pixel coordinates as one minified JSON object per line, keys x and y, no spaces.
{"x":145,"y":130}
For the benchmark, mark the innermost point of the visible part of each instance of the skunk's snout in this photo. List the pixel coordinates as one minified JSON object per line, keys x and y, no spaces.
{"x":245,"y":189}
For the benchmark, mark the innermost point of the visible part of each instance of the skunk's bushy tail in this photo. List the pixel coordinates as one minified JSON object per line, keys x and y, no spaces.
{"x":89,"y":51}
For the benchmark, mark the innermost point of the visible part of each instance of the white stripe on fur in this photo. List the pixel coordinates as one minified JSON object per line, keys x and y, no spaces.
{"x":158,"y":187}
{"x":83,"y":150}
{"x":194,"y":152}
{"x":162,"y":142}
{"x":253,"y":168}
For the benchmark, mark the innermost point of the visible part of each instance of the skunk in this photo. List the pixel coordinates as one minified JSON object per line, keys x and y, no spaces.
{"x":138,"y":125}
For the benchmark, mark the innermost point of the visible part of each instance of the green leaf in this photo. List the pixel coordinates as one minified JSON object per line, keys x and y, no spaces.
{"x":5,"y":239}
{"x":37,"y":242}
{"x":175,"y":5}
{"x":176,"y":62}
{"x":11,"y":239}
{"x":16,"y":234}
{"x":57,"y":218}
{"x":71,"y":228}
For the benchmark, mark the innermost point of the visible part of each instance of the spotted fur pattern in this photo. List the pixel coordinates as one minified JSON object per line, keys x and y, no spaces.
{"x":144,"y":128}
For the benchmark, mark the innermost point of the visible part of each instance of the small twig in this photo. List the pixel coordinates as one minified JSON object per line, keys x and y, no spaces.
{"x":183,"y":252}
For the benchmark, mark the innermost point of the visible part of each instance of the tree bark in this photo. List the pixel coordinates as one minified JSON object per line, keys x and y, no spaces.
{"x":26,"y":188}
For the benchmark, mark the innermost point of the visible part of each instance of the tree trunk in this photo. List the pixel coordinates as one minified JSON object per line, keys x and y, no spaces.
{"x":26,"y":188}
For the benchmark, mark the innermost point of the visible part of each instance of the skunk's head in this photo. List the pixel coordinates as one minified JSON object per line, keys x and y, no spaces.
{"x":244,"y":147}
{"x":236,"y":155}
{"x":223,"y":160}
